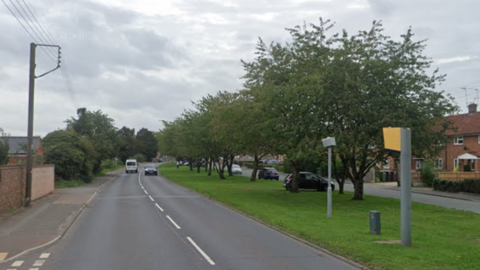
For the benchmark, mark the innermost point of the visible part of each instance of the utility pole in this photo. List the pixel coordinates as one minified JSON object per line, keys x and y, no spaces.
{"x":31,"y":94}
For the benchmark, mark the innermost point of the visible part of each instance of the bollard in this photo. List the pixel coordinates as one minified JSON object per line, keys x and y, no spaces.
{"x":375,"y":222}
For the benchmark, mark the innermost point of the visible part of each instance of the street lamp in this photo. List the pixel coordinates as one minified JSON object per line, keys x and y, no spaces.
{"x":329,"y":142}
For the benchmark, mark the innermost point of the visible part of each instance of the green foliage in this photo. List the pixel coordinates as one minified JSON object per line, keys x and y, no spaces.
{"x":140,"y":158}
{"x":4,"y":147}
{"x":146,"y":144}
{"x":99,"y":129}
{"x":447,"y":185}
{"x":110,"y":163}
{"x":427,"y":173}
{"x":73,"y":156}
{"x":126,"y":138}
{"x":69,"y":184}
{"x":471,"y":185}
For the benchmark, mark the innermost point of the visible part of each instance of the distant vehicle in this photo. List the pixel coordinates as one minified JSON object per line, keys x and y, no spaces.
{"x":268,"y":173}
{"x":273,"y":162}
{"x":131,"y":165}
{"x":265,"y":161}
{"x":236,"y":169}
{"x":150,"y":170}
{"x":308,"y":180}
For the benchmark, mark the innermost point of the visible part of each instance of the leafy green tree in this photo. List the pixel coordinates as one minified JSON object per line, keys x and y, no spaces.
{"x":73,"y":156}
{"x":4,"y":147}
{"x":146,"y":144}
{"x":99,"y":129}
{"x":126,"y":148}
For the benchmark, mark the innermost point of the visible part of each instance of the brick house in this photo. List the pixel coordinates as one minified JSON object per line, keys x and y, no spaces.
{"x":17,"y":153}
{"x":462,"y":149}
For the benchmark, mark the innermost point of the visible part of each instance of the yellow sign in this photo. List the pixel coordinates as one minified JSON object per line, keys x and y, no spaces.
{"x":392,"y":139}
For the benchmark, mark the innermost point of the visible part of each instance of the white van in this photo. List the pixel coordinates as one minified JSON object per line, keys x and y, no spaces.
{"x":131,"y":165}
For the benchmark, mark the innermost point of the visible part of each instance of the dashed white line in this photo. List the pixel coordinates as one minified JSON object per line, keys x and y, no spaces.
{"x":173,"y":222}
{"x":44,"y":256}
{"x":158,"y":206}
{"x":17,"y":263}
{"x":39,"y":263}
{"x":210,"y":261}
{"x":151,"y":198}
{"x":145,"y":191}
{"x":33,"y":268}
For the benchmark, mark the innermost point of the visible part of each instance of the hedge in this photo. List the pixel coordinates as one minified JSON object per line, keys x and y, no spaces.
{"x":468,"y":185}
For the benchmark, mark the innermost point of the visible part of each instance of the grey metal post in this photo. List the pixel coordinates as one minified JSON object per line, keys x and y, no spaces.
{"x":31,"y":91}
{"x":329,"y":188}
{"x":406,"y":175}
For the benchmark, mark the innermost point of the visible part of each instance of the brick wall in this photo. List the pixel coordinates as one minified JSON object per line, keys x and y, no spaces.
{"x":12,"y":184}
{"x":12,"y":187}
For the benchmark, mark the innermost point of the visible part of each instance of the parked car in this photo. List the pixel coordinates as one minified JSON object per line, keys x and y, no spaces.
{"x":268,"y":173}
{"x":236,"y":169}
{"x":273,"y":162}
{"x":308,"y":180}
{"x":150,"y":170}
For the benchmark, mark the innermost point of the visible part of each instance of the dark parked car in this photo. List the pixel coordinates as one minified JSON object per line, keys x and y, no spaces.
{"x":151,"y":170}
{"x":268,"y":173}
{"x":308,"y":180}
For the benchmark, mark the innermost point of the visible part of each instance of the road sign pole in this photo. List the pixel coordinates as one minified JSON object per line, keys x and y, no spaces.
{"x":406,"y":175}
{"x":329,"y":188}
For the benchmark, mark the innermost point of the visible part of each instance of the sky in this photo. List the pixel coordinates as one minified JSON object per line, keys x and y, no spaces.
{"x":141,"y":62}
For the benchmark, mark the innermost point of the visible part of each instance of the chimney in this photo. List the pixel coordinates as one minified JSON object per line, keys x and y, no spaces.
{"x":472,"y":108}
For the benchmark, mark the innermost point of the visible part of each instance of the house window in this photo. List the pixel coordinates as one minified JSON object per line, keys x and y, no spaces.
{"x":386,"y":164}
{"x":418,"y":164}
{"x":458,"y":140}
{"x":438,"y":163}
{"x":455,"y":163}
{"x":472,"y":165}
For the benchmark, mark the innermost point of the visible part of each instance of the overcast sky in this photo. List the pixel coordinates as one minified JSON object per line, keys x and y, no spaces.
{"x":141,"y":62}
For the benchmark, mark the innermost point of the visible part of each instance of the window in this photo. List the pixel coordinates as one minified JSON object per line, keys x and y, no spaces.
{"x":386,"y":164}
{"x":455,"y":163}
{"x":458,"y":140}
{"x":479,"y":139}
{"x":438,"y":163}
{"x":418,"y":164}
{"x":472,"y":165}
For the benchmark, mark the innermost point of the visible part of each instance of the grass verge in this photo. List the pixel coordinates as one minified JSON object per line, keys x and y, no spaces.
{"x":442,"y":238}
{"x":69,"y":184}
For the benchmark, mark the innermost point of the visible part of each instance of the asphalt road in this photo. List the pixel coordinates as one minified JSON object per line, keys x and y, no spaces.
{"x":147,"y":222}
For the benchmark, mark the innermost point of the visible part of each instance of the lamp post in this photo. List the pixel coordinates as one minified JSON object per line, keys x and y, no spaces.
{"x":329,"y":142}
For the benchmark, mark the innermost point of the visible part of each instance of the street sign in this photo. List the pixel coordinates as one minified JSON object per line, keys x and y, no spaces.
{"x":392,"y":139}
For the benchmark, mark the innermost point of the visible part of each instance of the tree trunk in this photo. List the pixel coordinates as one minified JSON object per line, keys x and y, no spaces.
{"x":341,"y":184}
{"x":296,"y":176}
{"x":210,"y":164}
{"x":358,"y":193}
{"x":253,"y":178}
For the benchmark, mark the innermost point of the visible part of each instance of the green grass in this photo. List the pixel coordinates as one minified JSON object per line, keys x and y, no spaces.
{"x":105,"y":171}
{"x":442,"y":238}
{"x":69,"y":184}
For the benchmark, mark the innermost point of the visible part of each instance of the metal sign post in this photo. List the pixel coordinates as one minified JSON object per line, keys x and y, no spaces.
{"x":405,"y":183}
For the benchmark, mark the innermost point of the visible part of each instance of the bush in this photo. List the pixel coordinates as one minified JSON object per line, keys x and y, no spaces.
{"x":471,"y":185}
{"x":427,"y":174}
{"x":447,"y":185}
{"x":140,"y":158}
{"x":110,"y":163}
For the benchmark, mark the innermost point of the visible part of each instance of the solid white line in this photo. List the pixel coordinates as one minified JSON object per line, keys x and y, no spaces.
{"x":44,"y":255}
{"x":17,"y":263}
{"x":39,"y":263}
{"x":158,"y":206}
{"x":151,"y":198}
{"x":173,"y":222}
{"x":210,"y":261}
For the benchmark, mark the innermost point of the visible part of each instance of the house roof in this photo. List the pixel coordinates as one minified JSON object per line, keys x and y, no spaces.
{"x":18,"y":145}
{"x":465,"y":124}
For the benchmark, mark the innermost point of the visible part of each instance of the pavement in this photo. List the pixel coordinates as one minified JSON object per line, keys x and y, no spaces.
{"x":47,"y":219}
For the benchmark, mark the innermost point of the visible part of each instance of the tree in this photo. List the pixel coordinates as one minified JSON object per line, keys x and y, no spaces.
{"x":4,"y":147}
{"x":146,"y":144}
{"x":99,"y":129}
{"x":73,"y":156}
{"x":126,"y":149}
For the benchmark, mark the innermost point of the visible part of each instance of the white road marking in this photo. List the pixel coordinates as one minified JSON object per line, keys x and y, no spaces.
{"x":3,"y":255}
{"x":173,"y":222}
{"x":12,"y":269}
{"x":210,"y":261}
{"x":158,"y":206}
{"x":44,"y":255}
{"x":33,"y":269}
{"x":39,"y":263}
{"x":17,"y":263}
{"x":145,"y":191}
{"x":151,"y":198}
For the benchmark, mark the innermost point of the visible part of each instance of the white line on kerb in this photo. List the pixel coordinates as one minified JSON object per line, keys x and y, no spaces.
{"x":210,"y":261}
{"x":173,"y":222}
{"x":158,"y":206}
{"x":151,"y":198}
